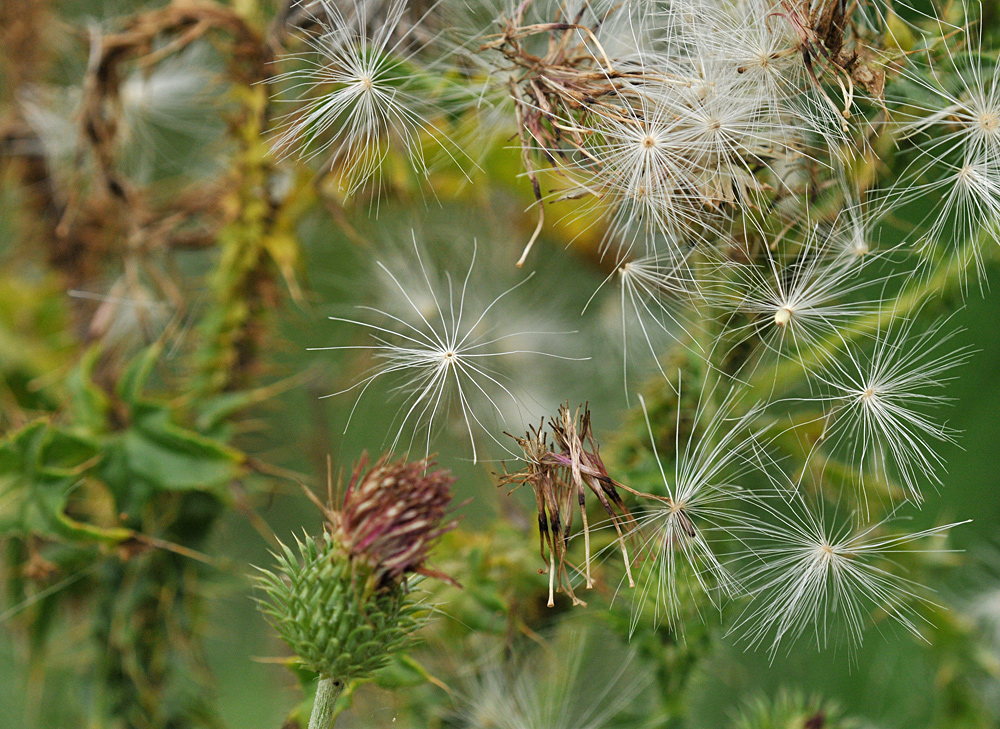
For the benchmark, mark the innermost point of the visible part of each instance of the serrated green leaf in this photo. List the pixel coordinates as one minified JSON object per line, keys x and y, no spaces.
{"x":40,"y":466}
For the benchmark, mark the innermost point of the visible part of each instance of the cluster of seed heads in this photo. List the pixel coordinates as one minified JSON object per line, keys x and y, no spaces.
{"x":721,"y":158}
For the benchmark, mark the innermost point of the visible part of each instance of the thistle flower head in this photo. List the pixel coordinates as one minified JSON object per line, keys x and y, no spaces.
{"x":341,"y":601}
{"x":338,"y":623}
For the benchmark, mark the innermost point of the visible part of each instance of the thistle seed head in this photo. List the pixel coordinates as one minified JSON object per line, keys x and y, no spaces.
{"x":783,"y":315}
{"x":560,"y":474}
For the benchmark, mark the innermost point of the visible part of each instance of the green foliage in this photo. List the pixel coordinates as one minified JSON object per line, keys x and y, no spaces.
{"x":257,"y":248}
{"x":40,"y":467}
{"x":33,"y":339}
{"x":116,"y":495}
{"x":965,"y":663}
{"x":124,"y":443}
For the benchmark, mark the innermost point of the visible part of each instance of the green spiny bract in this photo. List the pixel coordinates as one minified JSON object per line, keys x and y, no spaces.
{"x":336,"y":616}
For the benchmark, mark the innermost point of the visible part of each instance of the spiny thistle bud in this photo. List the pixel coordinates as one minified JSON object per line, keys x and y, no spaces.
{"x":342,"y":603}
{"x":337,"y":622}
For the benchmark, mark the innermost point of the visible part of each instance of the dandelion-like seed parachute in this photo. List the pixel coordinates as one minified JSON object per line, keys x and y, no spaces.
{"x":444,"y":357}
{"x":635,"y":163}
{"x":757,"y":47}
{"x":879,"y":400}
{"x":361,"y":88}
{"x":795,"y":305}
{"x":655,"y":291}
{"x":581,"y":680}
{"x":174,"y":99}
{"x":700,"y":497}
{"x":955,"y":167}
{"x":808,"y":568}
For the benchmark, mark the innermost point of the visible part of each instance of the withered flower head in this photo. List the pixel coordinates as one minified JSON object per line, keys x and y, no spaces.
{"x":559,"y":472}
{"x":392,"y":514}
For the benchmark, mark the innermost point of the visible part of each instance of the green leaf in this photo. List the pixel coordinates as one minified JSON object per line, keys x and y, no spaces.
{"x":402,"y":671}
{"x":133,"y":380}
{"x":90,"y":404}
{"x":40,"y":467}
{"x":213,"y":412}
{"x":174,"y":458}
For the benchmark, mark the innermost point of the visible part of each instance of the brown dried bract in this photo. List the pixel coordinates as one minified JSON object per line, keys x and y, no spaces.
{"x":559,"y":474}
{"x":822,"y":28}
{"x":557,"y":88}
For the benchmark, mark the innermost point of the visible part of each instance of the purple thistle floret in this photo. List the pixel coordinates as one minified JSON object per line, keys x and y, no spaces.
{"x":392,"y":514}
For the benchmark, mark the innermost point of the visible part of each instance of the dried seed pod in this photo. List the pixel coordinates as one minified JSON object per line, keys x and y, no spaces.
{"x":557,"y":473}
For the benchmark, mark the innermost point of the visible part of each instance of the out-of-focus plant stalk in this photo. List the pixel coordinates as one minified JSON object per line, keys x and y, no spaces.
{"x":258,"y":248}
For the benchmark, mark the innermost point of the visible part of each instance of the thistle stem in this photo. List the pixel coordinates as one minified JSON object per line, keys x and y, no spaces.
{"x":327,"y":693}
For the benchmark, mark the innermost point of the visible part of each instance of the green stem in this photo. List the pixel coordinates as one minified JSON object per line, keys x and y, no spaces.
{"x":327,"y":693}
